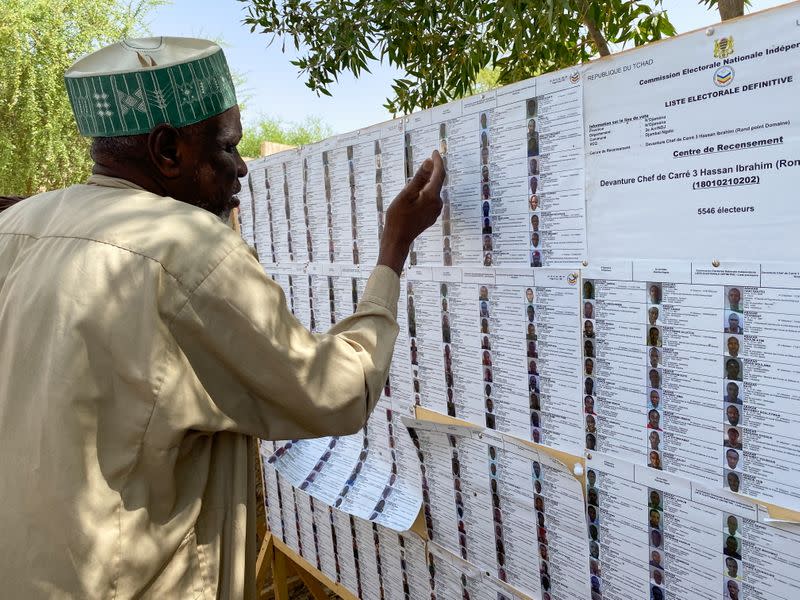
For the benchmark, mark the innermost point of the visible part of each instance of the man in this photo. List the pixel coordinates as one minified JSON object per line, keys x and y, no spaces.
{"x":654,"y":439}
{"x":732,"y":566}
{"x":733,"y":346}
{"x":653,"y":420}
{"x":588,"y":310}
{"x":652,"y":315}
{"x":732,"y":414}
{"x":655,"y":293}
{"x":733,"y":589}
{"x":655,"y":399}
{"x":144,"y":346}
{"x":732,"y":480}
{"x":733,"y":524}
{"x":655,"y":559}
{"x":655,"y":378}
{"x":733,"y":324}
{"x":732,"y":394}
{"x":588,"y":405}
{"x":735,"y":299}
{"x":731,"y":458}
{"x":733,"y":370}
{"x":733,"y":439}
{"x":732,"y":548}
{"x":655,"y":357}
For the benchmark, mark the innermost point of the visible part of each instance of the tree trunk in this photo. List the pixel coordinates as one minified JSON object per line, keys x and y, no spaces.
{"x":730,"y":9}
{"x":597,"y":37}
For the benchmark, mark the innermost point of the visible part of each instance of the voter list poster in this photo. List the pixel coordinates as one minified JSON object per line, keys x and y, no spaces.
{"x":658,"y":536}
{"x":691,"y":368}
{"x":505,"y":507}
{"x":692,"y":144}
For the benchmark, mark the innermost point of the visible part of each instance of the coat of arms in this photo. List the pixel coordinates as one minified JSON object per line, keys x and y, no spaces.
{"x":723,"y":47}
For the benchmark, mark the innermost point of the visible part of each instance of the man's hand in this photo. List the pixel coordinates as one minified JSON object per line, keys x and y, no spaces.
{"x":414,"y":210}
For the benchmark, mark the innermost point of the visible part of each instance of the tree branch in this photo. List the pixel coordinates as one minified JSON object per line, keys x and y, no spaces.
{"x":600,"y":42}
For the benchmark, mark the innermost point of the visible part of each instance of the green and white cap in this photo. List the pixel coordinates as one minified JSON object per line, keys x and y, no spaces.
{"x":131,"y":86}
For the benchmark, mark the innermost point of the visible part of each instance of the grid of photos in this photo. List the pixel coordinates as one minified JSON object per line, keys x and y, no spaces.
{"x":447,"y":350}
{"x":312,"y":313}
{"x":497,"y":515}
{"x":732,"y":550}
{"x":456,"y":468}
{"x":291,"y":294}
{"x":534,"y":207}
{"x":589,"y":398}
{"x":593,"y":523}
{"x":379,"y":187}
{"x":655,"y":378}
{"x":734,"y":377}
{"x":331,"y":300}
{"x":447,"y":247}
{"x":412,"y":340}
{"x":486,"y":192}
{"x":326,"y":178}
{"x":541,"y":530}
{"x":409,"y":168}
{"x":486,"y":356}
{"x":532,"y":354}
{"x":269,"y":217}
{"x":309,"y":244}
{"x":655,"y":524}
{"x":426,"y":493}
{"x":287,"y":211}
{"x":351,"y":176}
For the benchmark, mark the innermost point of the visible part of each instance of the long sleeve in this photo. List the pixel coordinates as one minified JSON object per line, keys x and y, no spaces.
{"x":268,"y":376}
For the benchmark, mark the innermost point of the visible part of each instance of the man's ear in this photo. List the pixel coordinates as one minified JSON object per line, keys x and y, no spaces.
{"x":164,"y":148}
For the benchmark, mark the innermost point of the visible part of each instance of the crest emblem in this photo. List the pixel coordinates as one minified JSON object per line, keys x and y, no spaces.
{"x":575,"y":77}
{"x":723,"y":76}
{"x":723,"y":47}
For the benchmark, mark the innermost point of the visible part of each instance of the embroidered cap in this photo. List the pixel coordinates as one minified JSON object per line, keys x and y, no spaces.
{"x":131,"y":86}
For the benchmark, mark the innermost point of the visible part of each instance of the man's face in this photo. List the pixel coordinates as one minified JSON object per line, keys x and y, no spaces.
{"x":733,"y":346}
{"x":654,"y":399}
{"x":655,"y":379}
{"x":733,"y":436}
{"x":733,"y":524}
{"x":210,"y":165}
{"x":733,"y":322}
{"x":654,"y":439}
{"x":653,"y":357}
{"x":588,"y":404}
{"x":734,"y":295}
{"x":733,"y":415}
{"x":733,"y":567}
{"x":589,"y":366}
{"x":732,"y":458}
{"x":652,"y":315}
{"x":733,"y":590}
{"x":732,"y":368}
{"x":529,"y":295}
{"x":733,"y":484}
{"x":733,"y":391}
{"x":653,"y":418}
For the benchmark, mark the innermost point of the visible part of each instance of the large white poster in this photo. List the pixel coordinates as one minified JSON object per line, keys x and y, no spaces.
{"x":692,"y":145}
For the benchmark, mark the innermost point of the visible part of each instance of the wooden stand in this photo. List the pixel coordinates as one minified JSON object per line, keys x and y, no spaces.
{"x":284,"y":563}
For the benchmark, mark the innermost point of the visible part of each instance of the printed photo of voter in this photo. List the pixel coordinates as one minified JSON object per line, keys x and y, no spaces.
{"x":654,"y":460}
{"x":654,"y":440}
{"x":734,"y":323}
{"x":734,"y":299}
{"x":533,"y":202}
{"x":588,"y":310}
{"x":733,"y":438}
{"x":733,"y":345}
{"x":533,"y":166}
{"x":732,"y":547}
{"x":653,"y":315}
{"x":732,"y":569}
{"x":733,"y":369}
{"x":732,"y":458}
{"x":732,"y":415}
{"x":654,"y":336}
{"x":535,"y":239}
{"x":733,"y":393}
{"x":654,"y":357}
{"x":531,"y":106}
{"x":654,"y":398}
{"x":654,"y":293}
{"x":732,"y":481}
{"x":533,"y":184}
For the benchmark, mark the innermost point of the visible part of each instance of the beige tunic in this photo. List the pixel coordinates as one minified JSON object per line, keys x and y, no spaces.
{"x":141,"y":344}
